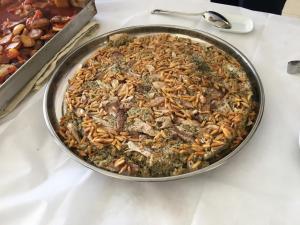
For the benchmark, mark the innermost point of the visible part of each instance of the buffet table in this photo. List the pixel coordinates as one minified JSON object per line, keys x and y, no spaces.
{"x":40,"y":184}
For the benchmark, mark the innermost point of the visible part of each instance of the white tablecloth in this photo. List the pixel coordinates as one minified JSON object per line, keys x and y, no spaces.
{"x":40,"y":184}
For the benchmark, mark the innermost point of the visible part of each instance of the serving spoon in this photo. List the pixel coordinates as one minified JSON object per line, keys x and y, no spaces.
{"x":211,"y":17}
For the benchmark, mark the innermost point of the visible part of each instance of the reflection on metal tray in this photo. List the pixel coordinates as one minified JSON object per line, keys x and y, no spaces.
{"x":16,"y":82}
{"x":54,"y":96}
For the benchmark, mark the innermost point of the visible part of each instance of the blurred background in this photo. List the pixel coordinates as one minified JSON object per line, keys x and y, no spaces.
{"x":284,"y":7}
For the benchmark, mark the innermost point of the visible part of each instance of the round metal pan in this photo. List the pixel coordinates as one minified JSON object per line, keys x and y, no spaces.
{"x":54,"y":95}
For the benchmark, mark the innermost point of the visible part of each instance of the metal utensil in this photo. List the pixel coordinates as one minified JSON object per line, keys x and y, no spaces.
{"x":54,"y":95}
{"x":293,"y":67}
{"x":211,"y":17}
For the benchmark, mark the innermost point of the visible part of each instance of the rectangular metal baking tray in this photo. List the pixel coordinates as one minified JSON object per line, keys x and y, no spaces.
{"x":15,"y":83}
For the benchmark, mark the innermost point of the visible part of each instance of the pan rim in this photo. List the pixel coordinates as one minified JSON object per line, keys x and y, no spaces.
{"x":212,"y":166}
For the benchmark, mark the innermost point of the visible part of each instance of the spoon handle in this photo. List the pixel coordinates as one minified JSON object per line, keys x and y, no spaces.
{"x":160,"y":11}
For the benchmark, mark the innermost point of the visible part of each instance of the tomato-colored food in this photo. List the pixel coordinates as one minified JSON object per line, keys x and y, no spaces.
{"x":25,"y":26}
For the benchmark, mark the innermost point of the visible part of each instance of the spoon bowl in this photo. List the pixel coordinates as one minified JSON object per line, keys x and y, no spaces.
{"x":216,"y":19}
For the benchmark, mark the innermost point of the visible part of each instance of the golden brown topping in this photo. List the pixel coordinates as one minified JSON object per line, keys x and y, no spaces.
{"x":157,"y":105}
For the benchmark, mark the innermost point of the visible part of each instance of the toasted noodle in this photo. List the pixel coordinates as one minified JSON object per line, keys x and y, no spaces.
{"x":158,"y":105}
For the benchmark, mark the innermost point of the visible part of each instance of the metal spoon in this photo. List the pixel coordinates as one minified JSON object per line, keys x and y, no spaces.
{"x":211,"y":17}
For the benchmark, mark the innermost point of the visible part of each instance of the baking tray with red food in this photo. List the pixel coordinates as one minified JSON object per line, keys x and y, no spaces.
{"x":31,"y":33}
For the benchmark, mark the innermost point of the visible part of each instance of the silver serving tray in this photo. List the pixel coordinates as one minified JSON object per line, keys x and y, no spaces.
{"x":16,"y":82}
{"x":54,"y":95}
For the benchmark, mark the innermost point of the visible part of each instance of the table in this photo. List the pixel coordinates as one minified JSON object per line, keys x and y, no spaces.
{"x":40,"y":184}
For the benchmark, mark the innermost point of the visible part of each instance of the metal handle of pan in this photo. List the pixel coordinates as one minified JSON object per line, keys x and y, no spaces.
{"x":293,"y":67}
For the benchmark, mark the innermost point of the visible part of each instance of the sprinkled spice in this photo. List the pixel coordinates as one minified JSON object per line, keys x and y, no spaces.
{"x":157,"y":105}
